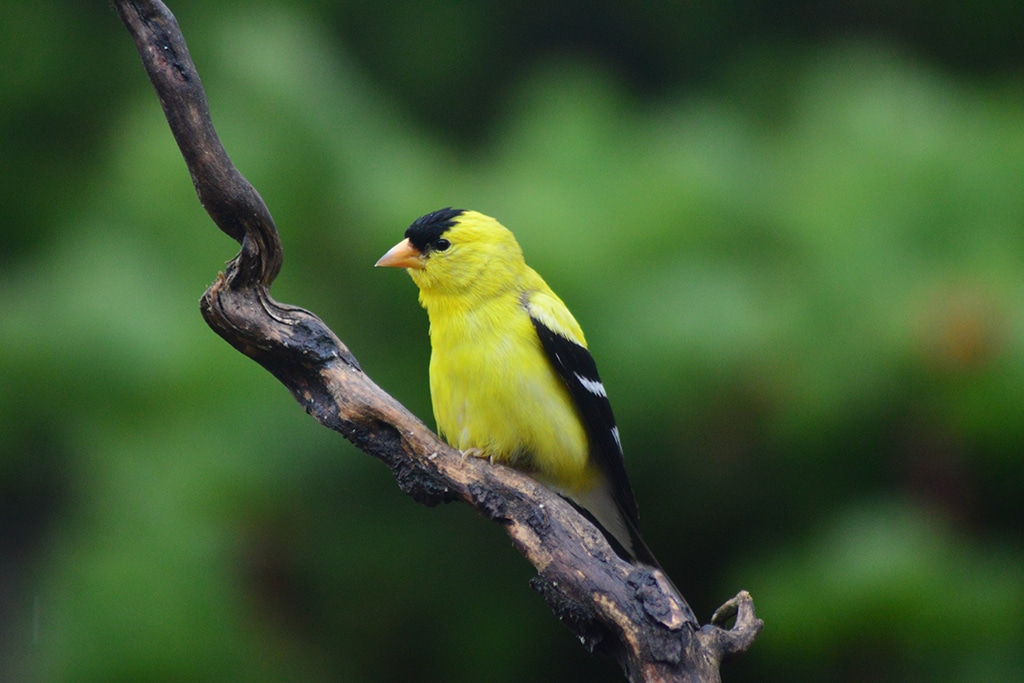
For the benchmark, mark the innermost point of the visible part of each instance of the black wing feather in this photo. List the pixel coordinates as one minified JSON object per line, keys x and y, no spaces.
{"x":573,"y":361}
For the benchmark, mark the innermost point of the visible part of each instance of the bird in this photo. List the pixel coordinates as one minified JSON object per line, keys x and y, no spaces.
{"x":511,"y":377}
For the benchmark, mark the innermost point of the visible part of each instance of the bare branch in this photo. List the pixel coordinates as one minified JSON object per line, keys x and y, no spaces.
{"x":629,"y":612}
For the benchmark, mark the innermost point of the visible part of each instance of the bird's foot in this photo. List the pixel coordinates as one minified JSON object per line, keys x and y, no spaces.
{"x":477,"y":453}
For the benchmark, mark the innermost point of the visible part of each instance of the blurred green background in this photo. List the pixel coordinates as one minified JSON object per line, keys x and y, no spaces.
{"x":794,"y":234}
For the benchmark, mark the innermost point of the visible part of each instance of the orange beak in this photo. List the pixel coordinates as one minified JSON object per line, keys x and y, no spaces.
{"x":402,"y":255}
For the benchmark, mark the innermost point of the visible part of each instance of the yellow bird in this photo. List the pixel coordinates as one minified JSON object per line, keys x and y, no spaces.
{"x":510,"y":374}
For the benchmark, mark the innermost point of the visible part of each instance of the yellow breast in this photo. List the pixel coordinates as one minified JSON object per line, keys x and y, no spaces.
{"x":493,"y":389}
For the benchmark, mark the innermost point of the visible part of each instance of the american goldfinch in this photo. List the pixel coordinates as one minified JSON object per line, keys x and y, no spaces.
{"x":511,"y":378}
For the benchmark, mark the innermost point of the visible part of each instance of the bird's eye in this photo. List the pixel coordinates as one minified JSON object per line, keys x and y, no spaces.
{"x":442,"y":244}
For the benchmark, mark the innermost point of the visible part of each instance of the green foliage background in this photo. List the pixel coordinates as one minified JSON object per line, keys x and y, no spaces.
{"x":794,"y":233}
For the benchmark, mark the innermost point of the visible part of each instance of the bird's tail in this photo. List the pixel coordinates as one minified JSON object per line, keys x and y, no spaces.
{"x":643,"y":556}
{"x":623,"y":535}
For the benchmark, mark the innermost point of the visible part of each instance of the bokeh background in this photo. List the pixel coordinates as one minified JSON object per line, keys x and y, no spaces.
{"x":794,"y":234}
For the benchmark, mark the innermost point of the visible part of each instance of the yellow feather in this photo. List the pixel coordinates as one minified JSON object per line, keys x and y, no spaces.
{"x":494,"y":388}
{"x":491,"y":385}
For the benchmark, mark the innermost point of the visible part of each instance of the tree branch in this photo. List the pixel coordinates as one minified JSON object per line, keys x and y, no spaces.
{"x":628,"y":612}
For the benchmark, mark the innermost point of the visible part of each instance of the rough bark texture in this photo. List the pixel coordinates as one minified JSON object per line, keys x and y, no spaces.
{"x":628,"y":612}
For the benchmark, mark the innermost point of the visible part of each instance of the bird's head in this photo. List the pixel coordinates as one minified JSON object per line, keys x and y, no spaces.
{"x":457,"y":252}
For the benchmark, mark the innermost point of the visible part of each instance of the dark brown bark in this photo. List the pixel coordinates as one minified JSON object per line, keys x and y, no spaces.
{"x":626,"y":611}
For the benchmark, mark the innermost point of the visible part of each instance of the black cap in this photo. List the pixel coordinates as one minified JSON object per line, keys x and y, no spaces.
{"x":427,"y":229}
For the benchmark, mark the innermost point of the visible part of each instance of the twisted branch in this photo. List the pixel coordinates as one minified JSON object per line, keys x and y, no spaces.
{"x":626,"y":611}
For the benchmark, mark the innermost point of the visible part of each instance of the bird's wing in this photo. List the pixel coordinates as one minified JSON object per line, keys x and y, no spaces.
{"x":562,"y":342}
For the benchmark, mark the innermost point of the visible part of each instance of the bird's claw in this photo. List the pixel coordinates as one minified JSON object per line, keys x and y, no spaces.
{"x":476,"y":453}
